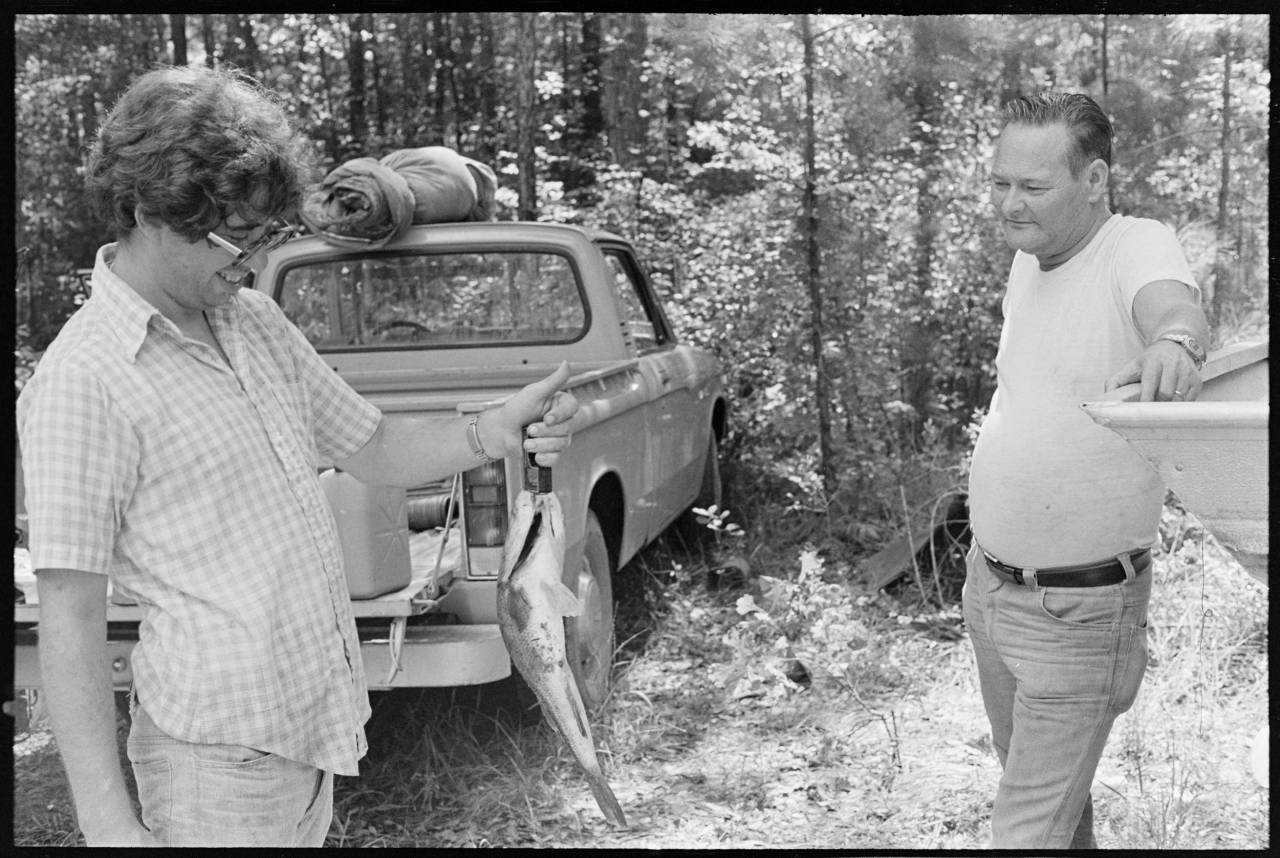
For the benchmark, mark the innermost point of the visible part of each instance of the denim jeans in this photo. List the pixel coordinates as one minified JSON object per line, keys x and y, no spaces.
{"x":1056,"y":666}
{"x":225,"y":795}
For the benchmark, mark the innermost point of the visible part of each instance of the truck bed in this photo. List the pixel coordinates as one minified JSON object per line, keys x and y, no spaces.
{"x":409,"y":601}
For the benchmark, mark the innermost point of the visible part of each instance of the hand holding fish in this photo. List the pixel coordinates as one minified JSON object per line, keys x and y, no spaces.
{"x":545,"y":410}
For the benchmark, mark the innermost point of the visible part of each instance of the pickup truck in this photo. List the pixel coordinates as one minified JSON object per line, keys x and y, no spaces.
{"x":451,"y":318}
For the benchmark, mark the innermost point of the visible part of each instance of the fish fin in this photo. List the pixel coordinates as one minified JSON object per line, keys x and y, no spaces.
{"x":578,"y":708}
{"x":562,"y":599}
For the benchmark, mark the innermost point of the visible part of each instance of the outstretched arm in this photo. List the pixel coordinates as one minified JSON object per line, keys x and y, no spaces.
{"x":1165,"y":369}
{"x":409,"y":451}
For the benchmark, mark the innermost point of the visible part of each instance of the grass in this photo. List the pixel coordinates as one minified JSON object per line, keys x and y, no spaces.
{"x":1179,"y":775}
{"x":707,"y":743}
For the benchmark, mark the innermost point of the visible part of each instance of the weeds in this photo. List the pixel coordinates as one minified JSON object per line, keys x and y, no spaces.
{"x":1177,"y":768}
{"x":710,"y":739}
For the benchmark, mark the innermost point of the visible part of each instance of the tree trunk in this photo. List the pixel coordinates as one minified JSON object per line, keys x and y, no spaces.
{"x":920,"y":337}
{"x":210,"y":41}
{"x":526,"y":119}
{"x":591,"y":123}
{"x":487,"y":149}
{"x":242,"y":47}
{"x":88,"y":111}
{"x":359,"y":122}
{"x":376,"y":85}
{"x":1222,"y":285}
{"x":448,"y":104}
{"x":622,"y":90}
{"x":178,"y":33}
{"x":1106,"y":96}
{"x":161,"y":53}
{"x":465,"y":90}
{"x":586,"y":119}
{"x":439,"y":62}
{"x":328,"y":130}
{"x":813,"y":273}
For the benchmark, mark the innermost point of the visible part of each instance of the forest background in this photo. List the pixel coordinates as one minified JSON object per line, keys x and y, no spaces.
{"x":811,"y":194}
{"x":810,"y":191}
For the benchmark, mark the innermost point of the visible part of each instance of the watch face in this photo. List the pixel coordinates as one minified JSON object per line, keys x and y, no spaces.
{"x":1190,"y":343}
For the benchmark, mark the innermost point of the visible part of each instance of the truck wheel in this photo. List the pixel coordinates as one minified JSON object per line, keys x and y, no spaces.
{"x":589,"y":637}
{"x":691,"y":532}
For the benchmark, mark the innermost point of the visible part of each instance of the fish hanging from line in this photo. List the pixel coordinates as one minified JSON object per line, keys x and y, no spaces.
{"x":533,"y":601}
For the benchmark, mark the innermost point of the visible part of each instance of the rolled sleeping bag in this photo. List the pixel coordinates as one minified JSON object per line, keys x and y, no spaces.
{"x":360,"y":203}
{"x":446,"y":186}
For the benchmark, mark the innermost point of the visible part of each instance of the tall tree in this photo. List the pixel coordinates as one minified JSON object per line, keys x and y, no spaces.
{"x":241,"y":49}
{"x":1106,"y":93}
{"x":210,"y":41}
{"x":526,"y":119}
{"x":623,"y":99}
{"x":813,"y":271}
{"x":486,"y":147}
{"x":1222,"y":285}
{"x":357,"y":117}
{"x":589,"y":115}
{"x":443,"y":68}
{"x":924,"y":108}
{"x":178,"y":34}
{"x":380,"y":96}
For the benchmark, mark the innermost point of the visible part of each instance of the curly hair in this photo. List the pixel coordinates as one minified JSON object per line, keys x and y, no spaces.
{"x":1090,"y":128}
{"x":189,"y":146}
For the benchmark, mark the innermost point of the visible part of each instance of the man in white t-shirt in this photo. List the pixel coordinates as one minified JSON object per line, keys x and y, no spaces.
{"x":1063,"y":511}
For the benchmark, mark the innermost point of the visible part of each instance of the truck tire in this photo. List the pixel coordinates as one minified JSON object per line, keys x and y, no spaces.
{"x":589,"y":637}
{"x":711,"y":492}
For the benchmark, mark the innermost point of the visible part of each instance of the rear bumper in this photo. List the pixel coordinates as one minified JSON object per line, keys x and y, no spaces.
{"x":435,"y":656}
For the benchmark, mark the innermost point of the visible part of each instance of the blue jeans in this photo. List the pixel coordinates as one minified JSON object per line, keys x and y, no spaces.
{"x":225,"y":795}
{"x":1056,"y":666}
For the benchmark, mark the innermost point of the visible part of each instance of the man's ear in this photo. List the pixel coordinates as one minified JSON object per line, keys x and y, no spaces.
{"x":142,"y":219}
{"x":1098,"y":175}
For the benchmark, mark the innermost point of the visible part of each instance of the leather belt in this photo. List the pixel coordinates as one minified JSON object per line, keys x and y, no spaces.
{"x":1123,"y":567}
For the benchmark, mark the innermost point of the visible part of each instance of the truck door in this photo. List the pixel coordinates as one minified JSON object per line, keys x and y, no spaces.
{"x":675,"y":408}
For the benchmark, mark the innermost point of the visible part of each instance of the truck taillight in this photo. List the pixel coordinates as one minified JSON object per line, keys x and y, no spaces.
{"x":485,"y":505}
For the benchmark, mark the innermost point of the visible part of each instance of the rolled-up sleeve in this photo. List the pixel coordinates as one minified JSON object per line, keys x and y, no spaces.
{"x":80,"y":459}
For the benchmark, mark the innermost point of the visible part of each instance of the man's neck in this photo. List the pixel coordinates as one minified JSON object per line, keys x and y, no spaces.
{"x":131,"y":266}
{"x":1048,"y":263}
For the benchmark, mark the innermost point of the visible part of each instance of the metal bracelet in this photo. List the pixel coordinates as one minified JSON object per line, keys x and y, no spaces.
{"x":473,"y":439}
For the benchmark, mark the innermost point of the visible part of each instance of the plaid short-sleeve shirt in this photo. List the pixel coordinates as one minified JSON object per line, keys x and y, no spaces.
{"x":193,"y":484}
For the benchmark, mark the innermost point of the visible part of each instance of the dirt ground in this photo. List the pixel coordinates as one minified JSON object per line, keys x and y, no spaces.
{"x":700,"y":759}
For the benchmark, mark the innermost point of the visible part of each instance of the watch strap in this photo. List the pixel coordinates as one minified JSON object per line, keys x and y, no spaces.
{"x":473,"y":439}
{"x":1189,"y":344}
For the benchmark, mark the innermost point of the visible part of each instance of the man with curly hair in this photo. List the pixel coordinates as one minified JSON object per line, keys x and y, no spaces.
{"x":1064,"y":512}
{"x":171,"y":437}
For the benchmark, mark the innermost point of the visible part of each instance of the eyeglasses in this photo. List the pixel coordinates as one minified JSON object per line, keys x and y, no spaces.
{"x":277,"y":233}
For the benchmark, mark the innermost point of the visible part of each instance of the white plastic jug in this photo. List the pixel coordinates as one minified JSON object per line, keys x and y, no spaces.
{"x":373,"y":527}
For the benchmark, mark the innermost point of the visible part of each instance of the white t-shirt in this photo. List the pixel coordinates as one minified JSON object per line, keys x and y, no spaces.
{"x":1048,"y":486}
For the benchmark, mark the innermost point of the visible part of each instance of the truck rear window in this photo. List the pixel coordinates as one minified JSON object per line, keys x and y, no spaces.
{"x":438,"y":300}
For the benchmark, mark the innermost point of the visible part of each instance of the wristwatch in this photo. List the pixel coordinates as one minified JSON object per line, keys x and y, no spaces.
{"x":1190,"y":343}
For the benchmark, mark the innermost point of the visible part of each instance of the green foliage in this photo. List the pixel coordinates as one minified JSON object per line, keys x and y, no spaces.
{"x":685,"y":133}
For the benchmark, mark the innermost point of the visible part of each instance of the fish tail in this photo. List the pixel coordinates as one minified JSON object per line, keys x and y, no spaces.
{"x":608,"y":802}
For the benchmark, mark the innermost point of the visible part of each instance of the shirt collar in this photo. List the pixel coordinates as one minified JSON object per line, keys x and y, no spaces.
{"x":127,"y":313}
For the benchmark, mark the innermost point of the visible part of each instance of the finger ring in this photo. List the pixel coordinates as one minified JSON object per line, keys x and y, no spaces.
{"x":1178,"y":393}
